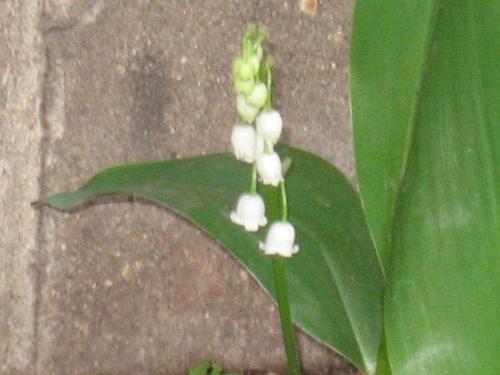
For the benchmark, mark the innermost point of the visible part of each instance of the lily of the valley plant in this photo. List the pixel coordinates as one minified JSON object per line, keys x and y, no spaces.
{"x":407,"y":282}
{"x":254,"y":144}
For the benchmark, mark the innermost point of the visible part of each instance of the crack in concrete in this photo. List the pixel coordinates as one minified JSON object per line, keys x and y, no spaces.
{"x":52,"y":119}
{"x":39,"y":269}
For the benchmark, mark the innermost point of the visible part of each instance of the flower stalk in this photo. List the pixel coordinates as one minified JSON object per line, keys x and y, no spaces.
{"x":280,"y":285}
{"x":252,"y":83}
{"x":273,"y":198}
{"x":253,"y":182}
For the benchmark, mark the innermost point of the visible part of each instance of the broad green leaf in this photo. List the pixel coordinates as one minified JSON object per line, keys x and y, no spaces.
{"x":387,"y":61}
{"x":442,"y":306}
{"x":383,"y":365}
{"x":334,"y":281}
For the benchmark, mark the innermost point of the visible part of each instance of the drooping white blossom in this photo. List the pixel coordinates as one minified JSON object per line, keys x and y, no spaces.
{"x":280,"y":240}
{"x":250,"y":212}
{"x":244,"y":141}
{"x":269,"y":125}
{"x":269,"y":168}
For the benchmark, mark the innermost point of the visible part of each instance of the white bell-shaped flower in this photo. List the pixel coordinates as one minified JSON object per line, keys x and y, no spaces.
{"x":250,"y":212}
{"x":280,"y":240}
{"x":269,"y":168}
{"x":269,"y":125}
{"x":244,"y":141}
{"x":247,"y":112}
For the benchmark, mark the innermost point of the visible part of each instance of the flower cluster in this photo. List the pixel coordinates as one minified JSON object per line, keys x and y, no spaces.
{"x":255,"y":144}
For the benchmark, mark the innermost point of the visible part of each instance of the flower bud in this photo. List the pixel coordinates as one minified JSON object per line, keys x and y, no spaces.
{"x":255,"y":58}
{"x":259,"y":52}
{"x":250,"y":212}
{"x":269,"y":168}
{"x":236,"y":64}
{"x":258,"y":96}
{"x":244,"y":140}
{"x":245,"y":71}
{"x":269,"y":125}
{"x":280,"y":240}
{"x":244,"y":87}
{"x":247,"y":112}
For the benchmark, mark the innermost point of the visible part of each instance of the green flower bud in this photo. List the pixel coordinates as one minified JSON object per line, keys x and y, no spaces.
{"x":245,"y":71}
{"x":247,"y":112}
{"x":254,"y":60}
{"x":259,"y":52}
{"x":244,"y":87}
{"x":236,"y":66}
{"x":258,"y":96}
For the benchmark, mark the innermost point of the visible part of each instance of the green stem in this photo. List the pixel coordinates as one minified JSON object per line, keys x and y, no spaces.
{"x":253,"y":183}
{"x":280,"y":284}
{"x":269,"y":101}
{"x":284,"y":202}
{"x":285,"y":316}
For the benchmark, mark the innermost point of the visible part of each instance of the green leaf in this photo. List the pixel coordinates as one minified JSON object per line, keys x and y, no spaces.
{"x":334,"y":281}
{"x":383,"y":365}
{"x":216,"y":369}
{"x":201,"y":369}
{"x":387,"y":61}
{"x":425,"y":99}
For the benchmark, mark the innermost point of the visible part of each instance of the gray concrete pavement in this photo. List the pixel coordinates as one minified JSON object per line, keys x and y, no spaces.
{"x":129,"y":288}
{"x":22,"y":65}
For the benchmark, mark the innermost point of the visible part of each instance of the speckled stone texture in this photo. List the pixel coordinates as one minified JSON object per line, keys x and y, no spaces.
{"x":125,"y":287}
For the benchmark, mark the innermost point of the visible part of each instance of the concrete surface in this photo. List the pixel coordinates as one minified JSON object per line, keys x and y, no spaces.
{"x":126,"y":287}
